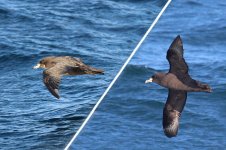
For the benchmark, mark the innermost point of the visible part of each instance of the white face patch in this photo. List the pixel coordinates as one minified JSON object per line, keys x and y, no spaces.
{"x":149,"y":80}
{"x":37,"y":66}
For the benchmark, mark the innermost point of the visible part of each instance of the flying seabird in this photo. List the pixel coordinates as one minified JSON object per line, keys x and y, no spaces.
{"x":178,"y":82}
{"x":55,"y":67}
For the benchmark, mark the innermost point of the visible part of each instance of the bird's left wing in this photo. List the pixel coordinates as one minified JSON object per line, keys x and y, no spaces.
{"x":52,"y":76}
{"x":178,"y":66}
{"x":172,"y":110}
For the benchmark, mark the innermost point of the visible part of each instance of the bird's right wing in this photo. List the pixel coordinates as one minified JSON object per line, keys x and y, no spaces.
{"x":74,"y":59}
{"x":78,"y":66}
{"x":171,"y":113}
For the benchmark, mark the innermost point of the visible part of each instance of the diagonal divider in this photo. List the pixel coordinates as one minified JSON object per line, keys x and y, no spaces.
{"x":117,"y":76}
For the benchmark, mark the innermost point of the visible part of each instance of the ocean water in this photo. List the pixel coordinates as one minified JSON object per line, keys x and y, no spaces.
{"x":101,"y":32}
{"x":130,"y":117}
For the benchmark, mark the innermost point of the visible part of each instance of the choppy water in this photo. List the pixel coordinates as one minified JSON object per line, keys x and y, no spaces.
{"x":130,"y":117}
{"x":101,"y":32}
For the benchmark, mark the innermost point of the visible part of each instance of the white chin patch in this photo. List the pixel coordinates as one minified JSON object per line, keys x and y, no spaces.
{"x":149,"y":80}
{"x":37,"y":66}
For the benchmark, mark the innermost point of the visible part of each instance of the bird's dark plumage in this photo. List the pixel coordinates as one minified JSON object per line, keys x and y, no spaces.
{"x":178,"y":66}
{"x":179,"y":82}
{"x":59,"y":66}
{"x":172,"y":110}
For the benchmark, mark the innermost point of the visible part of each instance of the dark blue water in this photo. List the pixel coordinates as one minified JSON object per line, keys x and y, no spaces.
{"x":103,"y":33}
{"x":130,"y":117}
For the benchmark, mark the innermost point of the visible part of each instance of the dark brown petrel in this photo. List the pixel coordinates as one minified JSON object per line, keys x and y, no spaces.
{"x":179,"y":82}
{"x":59,"y":66}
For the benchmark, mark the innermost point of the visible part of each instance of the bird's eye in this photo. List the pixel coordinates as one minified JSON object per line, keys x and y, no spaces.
{"x":153,"y":77}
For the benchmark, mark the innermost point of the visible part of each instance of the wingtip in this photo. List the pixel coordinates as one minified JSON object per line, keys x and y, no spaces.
{"x":170,"y":122}
{"x":171,"y":130}
{"x":97,"y":71}
{"x":101,"y":72}
{"x":210,"y":91}
{"x":176,"y":42}
{"x":56,"y":93}
{"x":178,"y":36}
{"x":170,"y":134}
{"x":179,"y":40}
{"x":177,"y":45}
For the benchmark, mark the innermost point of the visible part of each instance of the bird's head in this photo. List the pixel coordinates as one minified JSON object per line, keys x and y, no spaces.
{"x":46,"y":62}
{"x":157,"y":78}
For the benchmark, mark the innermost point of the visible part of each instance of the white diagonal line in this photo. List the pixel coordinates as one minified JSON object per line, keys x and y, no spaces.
{"x":118,"y":74}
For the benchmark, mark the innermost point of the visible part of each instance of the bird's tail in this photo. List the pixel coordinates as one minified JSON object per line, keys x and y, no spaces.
{"x":95,"y":71}
{"x":170,"y":122}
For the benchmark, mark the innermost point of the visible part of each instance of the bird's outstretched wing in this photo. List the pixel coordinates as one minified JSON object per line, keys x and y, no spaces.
{"x":175,"y":57}
{"x":52,"y":76}
{"x":51,"y":79}
{"x":171,"y":113}
{"x":74,"y":59}
{"x":82,"y":68}
{"x":178,"y":66}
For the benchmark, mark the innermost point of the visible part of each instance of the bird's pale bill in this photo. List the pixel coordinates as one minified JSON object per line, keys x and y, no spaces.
{"x":149,"y":80}
{"x":37,"y":66}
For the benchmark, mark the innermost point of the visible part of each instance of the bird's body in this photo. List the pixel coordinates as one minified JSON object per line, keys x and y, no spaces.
{"x":59,"y":66}
{"x":170,"y":80}
{"x":179,"y":82}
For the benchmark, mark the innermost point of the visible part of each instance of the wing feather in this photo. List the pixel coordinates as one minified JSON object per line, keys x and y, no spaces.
{"x":171,"y":113}
{"x":175,"y":54}
{"x":178,"y":65}
{"x":52,"y":77}
{"x":52,"y":81}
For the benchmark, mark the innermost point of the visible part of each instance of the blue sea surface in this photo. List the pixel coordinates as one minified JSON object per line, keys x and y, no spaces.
{"x":101,"y":32}
{"x":130,"y":117}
